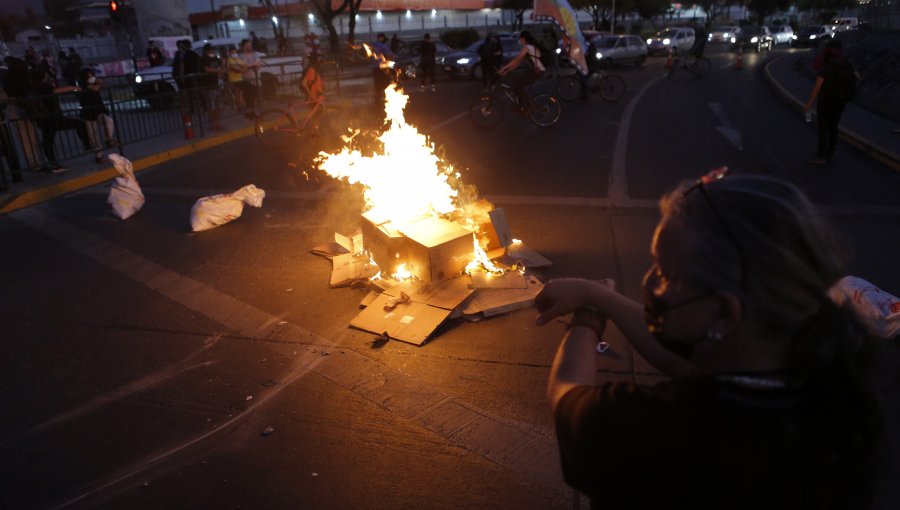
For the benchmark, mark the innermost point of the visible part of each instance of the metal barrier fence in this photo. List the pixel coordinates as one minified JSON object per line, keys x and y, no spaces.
{"x":33,"y":136}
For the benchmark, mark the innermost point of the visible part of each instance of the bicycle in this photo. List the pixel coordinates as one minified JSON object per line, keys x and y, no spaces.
{"x":277,"y":128}
{"x":486,"y":110}
{"x":610,"y":86}
{"x":699,"y":67}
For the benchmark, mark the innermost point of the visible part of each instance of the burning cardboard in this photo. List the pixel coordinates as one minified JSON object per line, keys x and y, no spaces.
{"x":437,"y":249}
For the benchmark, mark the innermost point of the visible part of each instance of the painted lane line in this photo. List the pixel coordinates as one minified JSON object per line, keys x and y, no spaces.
{"x":447,"y":122}
{"x":618,"y":182}
{"x":525,"y":450}
{"x":725,"y":127}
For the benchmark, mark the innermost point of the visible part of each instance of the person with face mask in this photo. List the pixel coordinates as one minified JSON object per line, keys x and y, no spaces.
{"x":211,"y":67}
{"x":769,"y":402}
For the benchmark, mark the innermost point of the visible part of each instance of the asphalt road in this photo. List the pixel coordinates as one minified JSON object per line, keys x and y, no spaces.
{"x":143,"y":364}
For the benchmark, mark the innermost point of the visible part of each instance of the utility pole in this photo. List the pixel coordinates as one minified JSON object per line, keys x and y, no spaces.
{"x":612,"y":21}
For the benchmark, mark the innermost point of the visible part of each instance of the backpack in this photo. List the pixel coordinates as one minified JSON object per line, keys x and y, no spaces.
{"x":845,"y":81}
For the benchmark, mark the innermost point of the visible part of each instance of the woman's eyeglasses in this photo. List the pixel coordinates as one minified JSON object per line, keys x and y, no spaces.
{"x":702,"y":182}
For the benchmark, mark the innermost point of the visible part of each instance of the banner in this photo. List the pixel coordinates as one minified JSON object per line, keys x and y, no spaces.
{"x":562,"y":13}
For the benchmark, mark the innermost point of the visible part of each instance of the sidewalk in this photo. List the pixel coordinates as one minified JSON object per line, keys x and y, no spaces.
{"x":83,"y":172}
{"x":859,"y":127}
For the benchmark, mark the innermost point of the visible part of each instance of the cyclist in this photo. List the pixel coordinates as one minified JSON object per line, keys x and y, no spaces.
{"x":699,"y":46}
{"x":314,"y":88}
{"x":531,"y":57}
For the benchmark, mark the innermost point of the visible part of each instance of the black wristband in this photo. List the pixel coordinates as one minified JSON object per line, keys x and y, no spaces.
{"x":590,"y":317}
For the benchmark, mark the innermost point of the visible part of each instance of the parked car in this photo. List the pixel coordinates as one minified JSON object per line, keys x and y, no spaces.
{"x":813,"y":34}
{"x":783,"y":34}
{"x":407,"y":57}
{"x":755,"y":37}
{"x":464,"y":64}
{"x":844,"y":24}
{"x":680,"y":38}
{"x":618,"y":49}
{"x":723,"y":34}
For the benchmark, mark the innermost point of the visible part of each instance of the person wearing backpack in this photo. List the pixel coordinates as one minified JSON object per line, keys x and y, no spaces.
{"x":529,"y":58}
{"x":835,"y":87}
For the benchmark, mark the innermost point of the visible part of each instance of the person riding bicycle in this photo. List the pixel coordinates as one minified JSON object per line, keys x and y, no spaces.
{"x":700,"y":37}
{"x":314,"y":89}
{"x":530,"y":56}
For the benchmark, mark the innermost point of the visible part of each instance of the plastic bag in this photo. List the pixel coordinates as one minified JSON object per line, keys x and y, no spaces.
{"x":125,"y":196}
{"x":877,"y":310}
{"x":209,"y":212}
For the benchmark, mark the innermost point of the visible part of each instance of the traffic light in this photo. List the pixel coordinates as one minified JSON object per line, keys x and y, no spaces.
{"x":115,"y":10}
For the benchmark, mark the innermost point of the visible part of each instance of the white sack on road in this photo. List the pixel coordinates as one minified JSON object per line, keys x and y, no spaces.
{"x":877,"y":310}
{"x":209,"y":212}
{"x":125,"y":197}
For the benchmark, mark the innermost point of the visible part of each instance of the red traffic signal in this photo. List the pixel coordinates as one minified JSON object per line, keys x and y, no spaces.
{"x":113,"y":6}
{"x":116,"y":11}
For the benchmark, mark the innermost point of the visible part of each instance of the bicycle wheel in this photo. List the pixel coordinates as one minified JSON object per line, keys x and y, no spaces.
{"x":545,"y":110}
{"x":612,"y":87}
{"x":276,"y":128}
{"x":700,"y":68}
{"x":568,"y":88}
{"x":335,"y":123}
{"x":486,"y":111}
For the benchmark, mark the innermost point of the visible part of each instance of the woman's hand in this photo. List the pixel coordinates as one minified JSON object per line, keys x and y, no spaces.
{"x":563,"y":296}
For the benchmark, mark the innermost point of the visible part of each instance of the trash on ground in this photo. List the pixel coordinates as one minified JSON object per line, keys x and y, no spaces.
{"x":125,"y":196}
{"x":877,"y":310}
{"x":210,"y":212}
{"x":268,"y":431}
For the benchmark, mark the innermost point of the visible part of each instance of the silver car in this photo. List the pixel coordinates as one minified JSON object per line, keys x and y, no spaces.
{"x":618,"y":49}
{"x":783,"y":34}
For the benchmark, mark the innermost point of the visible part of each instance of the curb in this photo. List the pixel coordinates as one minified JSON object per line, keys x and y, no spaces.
{"x":886,"y":156}
{"x":56,"y":190}
{"x":37,"y":196}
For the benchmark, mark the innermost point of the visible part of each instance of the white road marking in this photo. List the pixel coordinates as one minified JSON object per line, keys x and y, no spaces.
{"x":618,"y":181}
{"x":447,"y":122}
{"x":726,"y":128}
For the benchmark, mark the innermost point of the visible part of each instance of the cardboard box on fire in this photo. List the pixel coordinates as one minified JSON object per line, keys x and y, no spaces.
{"x":433,"y":249}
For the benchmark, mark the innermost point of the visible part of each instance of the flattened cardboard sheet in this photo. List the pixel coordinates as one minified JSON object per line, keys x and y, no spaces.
{"x":411,"y":322}
{"x":518,"y":252}
{"x":352,"y":243}
{"x":329,"y":250}
{"x":501,"y":226}
{"x":490,"y":302}
{"x":447,"y":294}
{"x":507,"y":280}
{"x":369,"y":299}
{"x":348,"y":268}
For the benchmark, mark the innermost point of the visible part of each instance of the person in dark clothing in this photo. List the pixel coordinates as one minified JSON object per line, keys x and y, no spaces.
{"x":49,"y":117}
{"x":190,"y":63}
{"x":831,"y":104}
{"x":154,"y":55}
{"x":178,"y":64}
{"x":75,"y":58}
{"x":70,"y":67}
{"x":427,"y":56}
{"x":31,"y":57}
{"x":17,"y":85}
{"x":94,"y":114}
{"x":256,"y":41}
{"x":209,"y":83}
{"x":396,"y":43}
{"x":770,"y":402}
{"x":700,"y":38}
{"x":487,"y":61}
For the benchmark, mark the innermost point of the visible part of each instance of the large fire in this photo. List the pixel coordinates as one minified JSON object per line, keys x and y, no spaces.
{"x":405,"y":181}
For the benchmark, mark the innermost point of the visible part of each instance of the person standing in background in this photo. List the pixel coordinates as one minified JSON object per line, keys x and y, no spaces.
{"x":834,"y":88}
{"x":94,"y":114}
{"x":251,"y":67}
{"x":211,"y":67}
{"x":427,"y":54}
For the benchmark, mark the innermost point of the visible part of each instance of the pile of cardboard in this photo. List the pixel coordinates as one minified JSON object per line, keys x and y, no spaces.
{"x":435,"y":251}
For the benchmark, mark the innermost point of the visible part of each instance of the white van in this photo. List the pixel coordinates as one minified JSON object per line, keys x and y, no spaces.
{"x":844,"y":24}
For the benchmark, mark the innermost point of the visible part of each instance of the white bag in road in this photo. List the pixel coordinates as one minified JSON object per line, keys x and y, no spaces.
{"x":877,"y":310}
{"x":125,"y":197}
{"x":209,"y":212}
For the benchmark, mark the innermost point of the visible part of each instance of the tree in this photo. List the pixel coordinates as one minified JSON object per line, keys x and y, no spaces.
{"x":353,"y":7}
{"x":649,"y":9}
{"x":823,"y":9}
{"x":518,"y":7}
{"x":328,"y":13}
{"x":598,"y":9}
{"x":763,"y":8}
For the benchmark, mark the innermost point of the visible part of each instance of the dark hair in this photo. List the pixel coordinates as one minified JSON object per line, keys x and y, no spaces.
{"x":71,"y":50}
{"x":427,"y":37}
{"x":84,"y":75}
{"x":380,"y":36}
{"x":529,"y":39}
